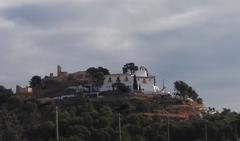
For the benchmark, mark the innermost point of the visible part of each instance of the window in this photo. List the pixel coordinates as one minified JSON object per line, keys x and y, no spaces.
{"x":118,"y":80}
{"x":109,"y":80}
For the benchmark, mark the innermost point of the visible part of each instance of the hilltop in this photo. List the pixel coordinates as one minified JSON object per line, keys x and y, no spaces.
{"x":87,"y":114}
{"x":135,"y":88}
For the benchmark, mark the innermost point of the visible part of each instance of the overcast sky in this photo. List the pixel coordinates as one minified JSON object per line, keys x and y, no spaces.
{"x":196,"y":41}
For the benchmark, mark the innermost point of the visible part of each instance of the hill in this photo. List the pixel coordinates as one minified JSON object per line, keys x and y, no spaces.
{"x":97,"y":119}
{"x":153,"y":105}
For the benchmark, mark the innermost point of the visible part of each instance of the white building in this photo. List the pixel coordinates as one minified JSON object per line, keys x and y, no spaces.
{"x":24,"y":91}
{"x":146,"y":82}
{"x":109,"y":80}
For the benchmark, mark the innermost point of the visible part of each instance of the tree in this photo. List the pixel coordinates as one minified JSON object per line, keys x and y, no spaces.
{"x":5,"y":94}
{"x":121,"y":87}
{"x":129,"y":67}
{"x":97,"y":74}
{"x":101,"y":135}
{"x":99,"y":78}
{"x":74,"y":138}
{"x":159,"y":138}
{"x":181,"y":87}
{"x":5,"y":91}
{"x":185,"y":90}
{"x":135,"y":84}
{"x":93,"y":70}
{"x":103,"y":70}
{"x":14,"y":103}
{"x":142,"y":106}
{"x":10,"y":128}
{"x":35,"y":81}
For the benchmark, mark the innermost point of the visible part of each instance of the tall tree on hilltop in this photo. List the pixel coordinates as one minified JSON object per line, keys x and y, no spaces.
{"x":103,"y":70}
{"x":97,"y":74}
{"x":129,"y":67}
{"x":35,"y":81}
{"x":135,"y":84}
{"x":185,"y":90}
{"x":93,"y":70}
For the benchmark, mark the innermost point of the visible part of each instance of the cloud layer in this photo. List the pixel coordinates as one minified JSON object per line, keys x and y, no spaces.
{"x":193,"y":41}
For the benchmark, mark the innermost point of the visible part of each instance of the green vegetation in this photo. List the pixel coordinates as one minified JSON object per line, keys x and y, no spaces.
{"x":135,"y":84}
{"x":4,"y":94}
{"x":97,"y":74}
{"x":129,"y":67}
{"x":35,"y":81}
{"x":120,"y":87}
{"x":82,"y":120}
{"x":186,"y":91}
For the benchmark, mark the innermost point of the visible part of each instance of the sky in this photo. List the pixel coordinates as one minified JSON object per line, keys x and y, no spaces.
{"x":195,"y":41}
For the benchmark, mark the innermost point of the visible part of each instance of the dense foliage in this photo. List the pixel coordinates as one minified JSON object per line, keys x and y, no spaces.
{"x":35,"y":81}
{"x":120,"y":87}
{"x":186,"y":91}
{"x":97,"y":74}
{"x":81,"y":120}
{"x":130,"y":67}
{"x":4,"y":94}
{"x":135,"y":84}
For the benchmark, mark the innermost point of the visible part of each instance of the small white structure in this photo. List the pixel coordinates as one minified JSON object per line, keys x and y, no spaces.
{"x":146,"y":82}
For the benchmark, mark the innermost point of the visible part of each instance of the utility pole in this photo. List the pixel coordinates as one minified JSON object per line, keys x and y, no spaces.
{"x":168,"y":128}
{"x":236,"y":131}
{"x":120,"y":128}
{"x":206,"y":132}
{"x":57,"y":130}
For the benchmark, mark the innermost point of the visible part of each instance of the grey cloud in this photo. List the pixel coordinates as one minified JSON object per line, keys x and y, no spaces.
{"x":194,"y":41}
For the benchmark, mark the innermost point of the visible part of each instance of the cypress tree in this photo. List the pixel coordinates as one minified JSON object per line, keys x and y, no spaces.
{"x":135,"y":85}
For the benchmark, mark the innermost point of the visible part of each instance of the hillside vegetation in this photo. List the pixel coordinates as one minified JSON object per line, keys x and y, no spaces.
{"x":81,"y":119}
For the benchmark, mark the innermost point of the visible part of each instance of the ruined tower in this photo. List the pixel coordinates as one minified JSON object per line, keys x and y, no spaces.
{"x":59,"y":70}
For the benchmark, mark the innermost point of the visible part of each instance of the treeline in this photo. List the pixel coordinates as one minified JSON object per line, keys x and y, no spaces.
{"x":32,"y":120}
